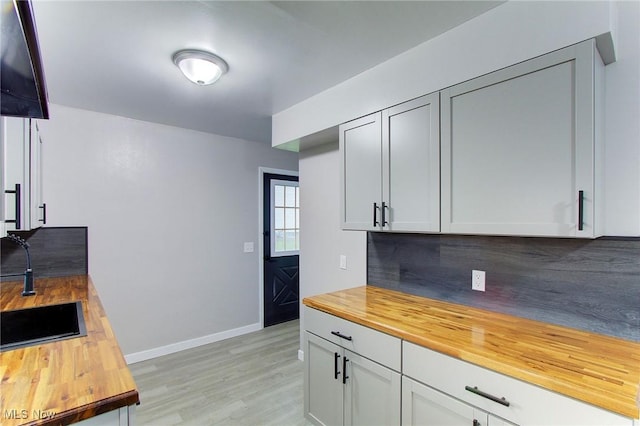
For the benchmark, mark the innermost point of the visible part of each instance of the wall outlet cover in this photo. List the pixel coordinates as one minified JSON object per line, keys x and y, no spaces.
{"x":477,"y":280}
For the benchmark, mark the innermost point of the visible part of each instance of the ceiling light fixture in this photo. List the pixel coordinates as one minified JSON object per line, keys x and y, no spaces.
{"x":201,"y":67}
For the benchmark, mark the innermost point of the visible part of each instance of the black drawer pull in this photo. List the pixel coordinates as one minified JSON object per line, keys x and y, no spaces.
{"x":344,"y":370}
{"x":488,"y":396}
{"x":580,"y":210}
{"x":342,"y":336}
{"x":18,"y":212}
{"x":384,"y":216}
{"x":44,"y":213}
{"x":336,"y":373}
{"x":375,"y":215}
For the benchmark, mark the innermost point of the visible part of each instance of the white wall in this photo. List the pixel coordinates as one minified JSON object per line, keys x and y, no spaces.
{"x":321,"y":240}
{"x":510,"y":33}
{"x":622,"y":129}
{"x":168,"y":210}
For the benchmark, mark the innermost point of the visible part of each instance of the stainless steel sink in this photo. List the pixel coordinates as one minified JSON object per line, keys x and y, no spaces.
{"x":43,"y":324}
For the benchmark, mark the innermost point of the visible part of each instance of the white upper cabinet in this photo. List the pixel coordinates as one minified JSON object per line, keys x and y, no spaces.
{"x":391,"y":169}
{"x":520,"y":148}
{"x":411,"y":165}
{"x":361,"y":170}
{"x":23,"y":206}
{"x":38,"y":208}
{"x":15,"y":140}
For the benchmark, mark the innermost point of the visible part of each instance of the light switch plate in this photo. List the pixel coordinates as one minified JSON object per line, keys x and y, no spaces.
{"x":343,"y":261}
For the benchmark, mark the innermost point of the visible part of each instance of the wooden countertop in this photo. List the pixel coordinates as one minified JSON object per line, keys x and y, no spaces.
{"x":76,"y":378}
{"x":600,"y":370}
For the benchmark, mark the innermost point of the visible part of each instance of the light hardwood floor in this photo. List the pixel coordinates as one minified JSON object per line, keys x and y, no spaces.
{"x":251,"y":380}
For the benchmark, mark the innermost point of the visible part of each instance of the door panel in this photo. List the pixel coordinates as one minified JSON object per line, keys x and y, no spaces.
{"x":424,"y":406}
{"x":361,"y":169}
{"x":281,"y":276}
{"x":372,"y":393}
{"x":411,"y":187}
{"x":323,"y":381}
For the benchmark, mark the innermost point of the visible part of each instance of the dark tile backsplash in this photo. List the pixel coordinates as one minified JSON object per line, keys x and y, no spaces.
{"x":592,"y":285}
{"x":55,"y":252}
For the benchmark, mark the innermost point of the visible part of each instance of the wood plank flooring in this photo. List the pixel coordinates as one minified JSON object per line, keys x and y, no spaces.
{"x":251,"y":380}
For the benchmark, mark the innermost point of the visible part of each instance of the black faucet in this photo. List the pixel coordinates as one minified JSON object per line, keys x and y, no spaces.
{"x":28,"y":273}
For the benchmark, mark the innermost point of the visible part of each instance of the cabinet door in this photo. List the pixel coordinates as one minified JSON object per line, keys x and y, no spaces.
{"x":497,"y":421}
{"x":424,"y":406}
{"x":361,"y":173}
{"x":323,"y":396}
{"x":518,"y":149}
{"x":372,"y":393}
{"x":37,"y":206}
{"x":411,"y":165}
{"x":15,"y":134}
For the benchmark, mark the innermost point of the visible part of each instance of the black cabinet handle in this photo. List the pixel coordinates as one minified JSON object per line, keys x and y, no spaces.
{"x":342,"y":336}
{"x":580,"y":210}
{"x":44,"y":213}
{"x":344,"y":370}
{"x":336,"y":373}
{"x":384,"y":215}
{"x":18,"y":193}
{"x":375,"y":215}
{"x":488,"y":396}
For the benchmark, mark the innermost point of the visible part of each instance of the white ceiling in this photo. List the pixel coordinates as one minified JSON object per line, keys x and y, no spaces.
{"x":115,"y":56}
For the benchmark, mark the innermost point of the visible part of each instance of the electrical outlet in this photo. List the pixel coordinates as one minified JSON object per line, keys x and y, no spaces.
{"x":343,"y":261}
{"x":477,"y":280}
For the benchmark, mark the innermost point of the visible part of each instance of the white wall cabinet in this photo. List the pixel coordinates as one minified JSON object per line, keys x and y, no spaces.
{"x":23,"y":205}
{"x":521,"y":154}
{"x":390,"y":165}
{"x":37,"y":206}
{"x":343,"y":387}
{"x":521,"y":148}
{"x":361,"y":173}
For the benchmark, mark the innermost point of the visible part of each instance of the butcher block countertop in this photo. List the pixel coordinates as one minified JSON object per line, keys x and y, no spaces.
{"x":600,"y":370}
{"x":68,"y":380}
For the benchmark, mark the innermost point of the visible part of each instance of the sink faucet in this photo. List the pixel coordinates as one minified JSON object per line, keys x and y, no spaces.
{"x":28,"y":273}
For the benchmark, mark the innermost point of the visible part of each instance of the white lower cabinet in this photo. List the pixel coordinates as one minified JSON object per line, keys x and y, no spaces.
{"x":324,"y":391}
{"x":343,"y":387}
{"x":372,"y":393}
{"x":123,"y":416}
{"x":424,"y":406}
{"x":355,"y":375}
{"x":460,"y":383}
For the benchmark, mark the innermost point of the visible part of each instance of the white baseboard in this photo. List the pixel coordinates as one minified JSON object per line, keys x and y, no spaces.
{"x":191,"y":343}
{"x":300,"y":354}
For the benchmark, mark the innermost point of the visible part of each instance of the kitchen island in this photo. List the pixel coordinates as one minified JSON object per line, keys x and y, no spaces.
{"x":601,"y":371}
{"x":65,"y":381}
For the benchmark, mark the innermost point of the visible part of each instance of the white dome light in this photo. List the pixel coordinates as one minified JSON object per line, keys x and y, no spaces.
{"x":200,"y":67}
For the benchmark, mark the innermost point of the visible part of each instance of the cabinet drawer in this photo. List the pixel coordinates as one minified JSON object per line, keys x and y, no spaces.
{"x":528,"y":404}
{"x":365,"y":341}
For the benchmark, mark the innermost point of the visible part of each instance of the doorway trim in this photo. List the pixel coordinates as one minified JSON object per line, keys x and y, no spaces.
{"x":261,"y":172}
